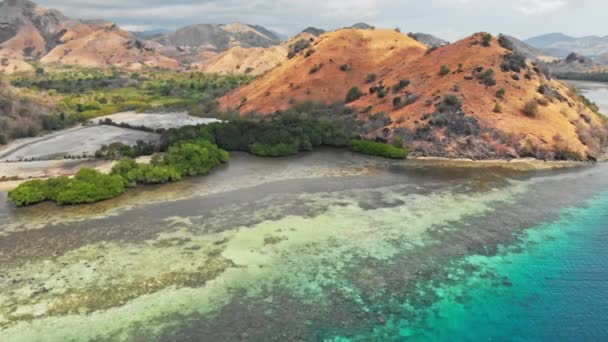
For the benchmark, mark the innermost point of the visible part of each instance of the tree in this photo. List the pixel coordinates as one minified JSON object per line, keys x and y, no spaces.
{"x":353,"y":94}
{"x":486,"y":39}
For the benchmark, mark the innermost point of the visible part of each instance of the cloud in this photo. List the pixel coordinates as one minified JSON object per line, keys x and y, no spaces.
{"x":540,"y":7}
{"x":453,"y":18}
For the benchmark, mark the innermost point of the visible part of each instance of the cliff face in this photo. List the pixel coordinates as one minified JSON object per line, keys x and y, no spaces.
{"x":474,"y":98}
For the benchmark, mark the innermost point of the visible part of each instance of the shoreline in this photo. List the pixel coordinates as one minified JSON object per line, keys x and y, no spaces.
{"x":69,"y":168}
{"x":519,"y":164}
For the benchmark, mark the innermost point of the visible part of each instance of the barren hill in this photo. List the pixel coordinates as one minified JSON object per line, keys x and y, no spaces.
{"x":107,"y":47}
{"x":474,"y":98}
{"x":252,"y":61}
{"x":326,"y":69}
{"x":29,"y":31}
{"x":199,"y":37}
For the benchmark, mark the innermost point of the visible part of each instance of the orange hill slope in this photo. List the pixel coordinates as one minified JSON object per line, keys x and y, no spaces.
{"x":359,"y":51}
{"x":497,"y":106}
{"x":252,"y":61}
{"x":108,"y":47}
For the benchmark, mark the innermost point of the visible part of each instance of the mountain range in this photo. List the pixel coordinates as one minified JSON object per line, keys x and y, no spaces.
{"x":561,"y":45}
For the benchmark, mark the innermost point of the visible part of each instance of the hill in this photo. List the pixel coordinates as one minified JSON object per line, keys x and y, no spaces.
{"x":428,"y":39}
{"x":474,"y":98}
{"x":219,"y":37}
{"x":29,"y":31}
{"x":326,"y":69}
{"x":251,"y":61}
{"x":560,"y":45}
{"x":22,"y":112}
{"x":109,"y":47}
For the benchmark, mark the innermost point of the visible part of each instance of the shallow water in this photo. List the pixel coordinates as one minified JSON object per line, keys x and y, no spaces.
{"x":596,"y":91}
{"x":324,"y":246}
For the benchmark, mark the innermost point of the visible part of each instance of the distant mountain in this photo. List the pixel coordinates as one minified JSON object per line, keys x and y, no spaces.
{"x":150,"y":34}
{"x":547,"y":40}
{"x":251,"y":61}
{"x":219,"y":37}
{"x":29,"y":31}
{"x":362,"y":26}
{"x":525,"y":49}
{"x":561,"y":45}
{"x":428,"y":39}
{"x":32,"y":31}
{"x":314,"y":31}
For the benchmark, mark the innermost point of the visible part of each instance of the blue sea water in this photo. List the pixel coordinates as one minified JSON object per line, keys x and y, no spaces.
{"x":551,"y":287}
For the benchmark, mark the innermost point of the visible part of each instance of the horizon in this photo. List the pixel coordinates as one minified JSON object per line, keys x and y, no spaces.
{"x":288,"y":17}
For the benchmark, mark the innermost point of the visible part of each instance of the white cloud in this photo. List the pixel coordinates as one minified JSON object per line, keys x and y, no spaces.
{"x":540,"y":7}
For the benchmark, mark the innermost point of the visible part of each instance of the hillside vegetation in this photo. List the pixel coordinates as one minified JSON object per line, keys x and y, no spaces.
{"x":476,"y":98}
{"x":67,"y":97}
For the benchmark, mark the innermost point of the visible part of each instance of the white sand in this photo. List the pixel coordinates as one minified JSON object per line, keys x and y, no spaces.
{"x":157,"y":120}
{"x":73,"y":141}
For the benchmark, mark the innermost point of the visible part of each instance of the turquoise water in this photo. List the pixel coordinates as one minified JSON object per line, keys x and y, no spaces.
{"x":553,"y":286}
{"x":327,"y":246}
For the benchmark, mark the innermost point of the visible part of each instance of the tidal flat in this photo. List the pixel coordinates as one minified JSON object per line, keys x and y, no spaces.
{"x":328,"y":246}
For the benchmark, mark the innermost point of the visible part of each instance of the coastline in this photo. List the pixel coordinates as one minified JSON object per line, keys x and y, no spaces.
{"x":19,"y":172}
{"x":520,"y":164}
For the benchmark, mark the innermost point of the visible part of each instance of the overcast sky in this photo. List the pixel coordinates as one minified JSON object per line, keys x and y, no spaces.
{"x":448,"y":19}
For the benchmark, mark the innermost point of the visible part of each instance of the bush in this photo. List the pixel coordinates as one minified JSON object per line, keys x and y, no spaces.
{"x":88,"y":186}
{"x":345,"y":67}
{"x":191,"y":158}
{"x":397,"y":102}
{"x":402,"y":84}
{"x":278,"y":150}
{"x":28,"y":193}
{"x":506,"y":42}
{"x":379,"y":149}
{"x":501,"y":93}
{"x":443,"y":70}
{"x":497,"y":108}
{"x":486,"y":39}
{"x":531,"y":109}
{"x":297,"y":47}
{"x":316,"y":68}
{"x":370,"y":78}
{"x":486,"y":78}
{"x":513,"y":62}
{"x":353,"y":94}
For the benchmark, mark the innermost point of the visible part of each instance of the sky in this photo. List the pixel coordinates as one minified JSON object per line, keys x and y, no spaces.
{"x":447,"y":19}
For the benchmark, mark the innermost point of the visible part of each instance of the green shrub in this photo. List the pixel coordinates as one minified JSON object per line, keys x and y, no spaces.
{"x":191,"y":158}
{"x":379,"y":149}
{"x":531,"y":109}
{"x":486,"y":39}
{"x":371,"y":78}
{"x":2,"y":139}
{"x":401,"y":85}
{"x":497,"y":108}
{"x":28,"y":193}
{"x":87,"y":186}
{"x":278,"y":150}
{"x":397,"y":102}
{"x":345,"y":67}
{"x":501,"y":93}
{"x":316,"y":68}
{"x":443,"y":70}
{"x":353,"y":94}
